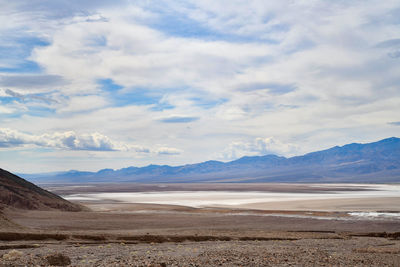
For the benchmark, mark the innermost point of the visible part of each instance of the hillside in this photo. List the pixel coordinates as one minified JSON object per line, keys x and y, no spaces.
{"x":376,"y":162}
{"x":19,"y":193}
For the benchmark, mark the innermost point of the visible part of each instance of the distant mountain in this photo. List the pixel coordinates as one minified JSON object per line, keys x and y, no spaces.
{"x":376,"y":162}
{"x":19,"y":193}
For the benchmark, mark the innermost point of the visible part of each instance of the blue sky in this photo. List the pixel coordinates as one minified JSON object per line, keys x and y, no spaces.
{"x":108,"y":84}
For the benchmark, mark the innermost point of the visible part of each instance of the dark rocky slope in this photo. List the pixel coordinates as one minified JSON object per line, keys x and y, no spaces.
{"x":19,"y":193}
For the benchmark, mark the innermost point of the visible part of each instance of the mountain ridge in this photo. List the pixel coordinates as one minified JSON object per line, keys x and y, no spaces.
{"x":371,"y":162}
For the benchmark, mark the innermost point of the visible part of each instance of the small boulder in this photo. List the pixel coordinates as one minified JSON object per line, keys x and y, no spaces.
{"x":58,"y":259}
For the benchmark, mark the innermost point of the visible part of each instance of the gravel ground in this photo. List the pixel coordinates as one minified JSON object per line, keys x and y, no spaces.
{"x":354,"y":251}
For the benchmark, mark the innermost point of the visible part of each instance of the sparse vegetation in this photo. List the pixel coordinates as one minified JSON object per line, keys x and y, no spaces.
{"x":13,"y":255}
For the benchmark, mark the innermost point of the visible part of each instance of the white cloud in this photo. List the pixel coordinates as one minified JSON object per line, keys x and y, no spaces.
{"x":6,"y":110}
{"x":138,"y":56}
{"x":11,"y":138}
{"x":83,"y":103}
{"x":65,"y":141}
{"x":258,"y":147}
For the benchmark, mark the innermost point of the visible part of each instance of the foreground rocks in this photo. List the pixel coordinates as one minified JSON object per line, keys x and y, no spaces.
{"x":306,"y":251}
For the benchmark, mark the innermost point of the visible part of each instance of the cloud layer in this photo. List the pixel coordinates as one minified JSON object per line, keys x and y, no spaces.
{"x":195,"y":80}
{"x":60,"y":140}
{"x":72,"y":141}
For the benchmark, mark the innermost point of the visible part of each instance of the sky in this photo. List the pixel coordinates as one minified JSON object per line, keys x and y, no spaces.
{"x":87,"y":85}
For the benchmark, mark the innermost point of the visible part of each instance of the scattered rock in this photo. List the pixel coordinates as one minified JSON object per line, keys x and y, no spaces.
{"x":58,"y":259}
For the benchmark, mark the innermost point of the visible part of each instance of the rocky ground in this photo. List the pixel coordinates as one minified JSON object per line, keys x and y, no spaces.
{"x":320,"y":250}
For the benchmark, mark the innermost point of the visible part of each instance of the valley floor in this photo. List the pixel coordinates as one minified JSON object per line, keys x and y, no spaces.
{"x":138,"y":234}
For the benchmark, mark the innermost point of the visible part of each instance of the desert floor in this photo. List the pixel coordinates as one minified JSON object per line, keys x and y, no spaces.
{"x":287,"y":233}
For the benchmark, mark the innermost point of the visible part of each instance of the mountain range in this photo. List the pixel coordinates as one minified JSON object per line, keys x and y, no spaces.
{"x":377,"y":162}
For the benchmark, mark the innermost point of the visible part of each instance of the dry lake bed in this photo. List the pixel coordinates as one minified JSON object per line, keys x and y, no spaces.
{"x":213,"y":225}
{"x":360,"y":201}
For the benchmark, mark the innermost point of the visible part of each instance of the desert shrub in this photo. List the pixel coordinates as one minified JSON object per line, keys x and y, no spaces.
{"x":12,"y":255}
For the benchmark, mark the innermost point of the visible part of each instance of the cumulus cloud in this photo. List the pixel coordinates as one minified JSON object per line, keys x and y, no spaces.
{"x":65,"y":140}
{"x":12,"y":138}
{"x":258,"y":147}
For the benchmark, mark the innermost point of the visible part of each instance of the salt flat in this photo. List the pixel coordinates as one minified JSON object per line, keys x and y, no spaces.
{"x":233,"y":198}
{"x":311,"y":197}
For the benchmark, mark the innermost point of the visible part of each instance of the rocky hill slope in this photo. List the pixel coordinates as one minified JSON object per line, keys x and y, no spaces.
{"x":19,"y":193}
